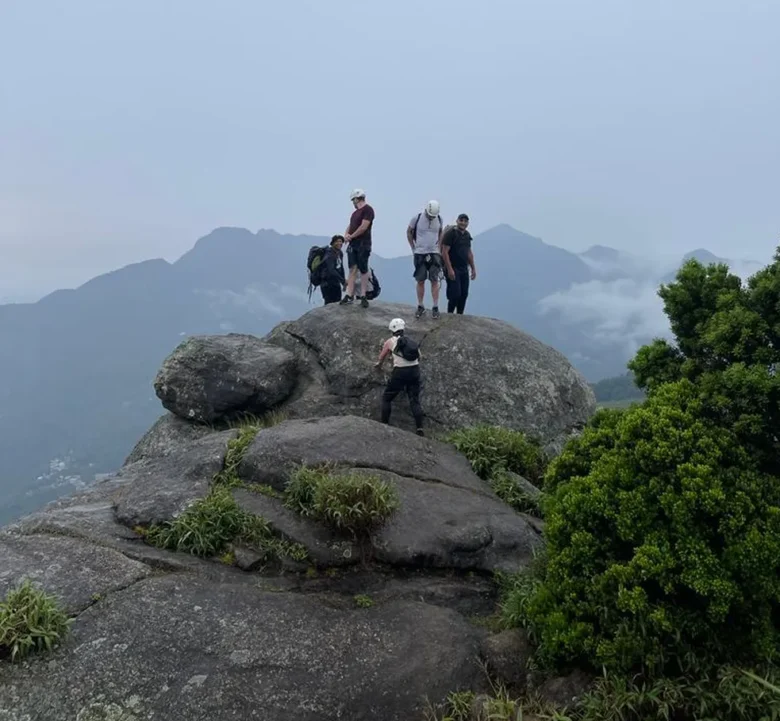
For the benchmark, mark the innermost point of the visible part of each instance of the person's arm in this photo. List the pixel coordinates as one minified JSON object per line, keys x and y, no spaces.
{"x":387,"y":348}
{"x":438,"y":242}
{"x":471,"y":263}
{"x":409,"y":236}
{"x":362,"y":228}
{"x":446,"y":241}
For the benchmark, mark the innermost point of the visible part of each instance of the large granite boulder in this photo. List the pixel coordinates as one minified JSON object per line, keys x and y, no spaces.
{"x":475,"y":370}
{"x":208,"y":378}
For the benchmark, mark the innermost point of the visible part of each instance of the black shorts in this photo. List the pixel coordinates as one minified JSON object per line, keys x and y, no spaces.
{"x":357,"y":255}
{"x":427,"y":267}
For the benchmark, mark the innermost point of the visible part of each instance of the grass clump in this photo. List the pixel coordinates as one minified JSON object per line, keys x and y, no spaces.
{"x":212,"y":523}
{"x":30,"y":621}
{"x":347,"y":501}
{"x":490,"y":449}
{"x":363,"y":601}
{"x":512,"y":493}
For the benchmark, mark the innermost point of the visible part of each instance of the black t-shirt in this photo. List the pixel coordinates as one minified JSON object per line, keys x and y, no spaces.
{"x":361,"y":214}
{"x":459,"y":243}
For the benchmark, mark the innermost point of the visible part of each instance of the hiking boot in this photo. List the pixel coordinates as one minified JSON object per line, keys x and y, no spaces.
{"x":364,"y":302}
{"x":346,"y":300}
{"x":420,"y":312}
{"x":419,"y":432}
{"x":435,"y":312}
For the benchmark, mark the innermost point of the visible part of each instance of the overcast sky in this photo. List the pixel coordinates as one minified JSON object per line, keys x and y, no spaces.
{"x":130,"y":129}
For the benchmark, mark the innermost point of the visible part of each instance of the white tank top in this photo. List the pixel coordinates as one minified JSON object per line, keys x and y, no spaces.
{"x":400,"y":361}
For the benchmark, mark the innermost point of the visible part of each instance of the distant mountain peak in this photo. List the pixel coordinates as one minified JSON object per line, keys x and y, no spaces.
{"x":602,"y":253}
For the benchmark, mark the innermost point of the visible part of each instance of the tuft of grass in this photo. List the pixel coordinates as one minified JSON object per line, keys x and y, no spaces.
{"x":490,"y":449}
{"x":236,"y":449}
{"x":505,"y":487}
{"x":362,"y":601}
{"x":228,"y":558}
{"x":353,"y":502}
{"x":30,"y":621}
{"x":210,"y":524}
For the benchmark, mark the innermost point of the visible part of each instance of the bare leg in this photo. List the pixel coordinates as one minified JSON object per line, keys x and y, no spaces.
{"x":420,"y":292}
{"x":435,"y":286}
{"x":363,"y":283}
{"x":351,"y":281}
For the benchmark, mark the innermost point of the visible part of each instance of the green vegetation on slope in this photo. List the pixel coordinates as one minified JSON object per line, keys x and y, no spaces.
{"x":212,"y":524}
{"x":30,"y":621}
{"x":496,"y":454}
{"x":662,"y":565}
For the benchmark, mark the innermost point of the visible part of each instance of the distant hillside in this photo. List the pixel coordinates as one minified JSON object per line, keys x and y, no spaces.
{"x":78,"y":365}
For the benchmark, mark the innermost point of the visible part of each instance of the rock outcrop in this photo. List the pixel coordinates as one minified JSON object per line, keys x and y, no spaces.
{"x":475,"y":370}
{"x":360,"y":629}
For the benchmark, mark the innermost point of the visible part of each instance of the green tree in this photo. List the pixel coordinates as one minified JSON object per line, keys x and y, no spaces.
{"x":663,"y":520}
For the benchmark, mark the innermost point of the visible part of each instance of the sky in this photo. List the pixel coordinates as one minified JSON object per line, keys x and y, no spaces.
{"x":130,"y":129}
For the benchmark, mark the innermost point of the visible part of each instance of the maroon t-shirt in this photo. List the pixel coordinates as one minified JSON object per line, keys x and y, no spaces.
{"x":361,"y":214}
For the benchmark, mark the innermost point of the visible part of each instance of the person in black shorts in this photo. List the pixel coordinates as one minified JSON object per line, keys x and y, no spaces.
{"x":358,"y":236}
{"x":458,"y":260}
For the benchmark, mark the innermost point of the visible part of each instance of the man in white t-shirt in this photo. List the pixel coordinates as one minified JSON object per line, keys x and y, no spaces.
{"x":424,"y":236}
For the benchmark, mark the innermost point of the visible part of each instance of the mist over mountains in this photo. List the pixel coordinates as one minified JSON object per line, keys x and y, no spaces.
{"x":77,"y":366}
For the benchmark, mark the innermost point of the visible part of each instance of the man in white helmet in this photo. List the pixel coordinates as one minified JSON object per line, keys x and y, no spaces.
{"x":406,"y":372}
{"x":424,"y":236}
{"x":358,"y":236}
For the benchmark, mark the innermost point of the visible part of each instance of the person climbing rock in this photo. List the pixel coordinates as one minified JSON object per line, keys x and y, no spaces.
{"x":405,"y":375}
{"x":458,"y":259}
{"x":333,"y":280}
{"x":358,"y":236}
{"x":424,"y":236}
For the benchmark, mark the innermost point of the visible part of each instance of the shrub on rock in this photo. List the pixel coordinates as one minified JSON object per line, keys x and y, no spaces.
{"x":347,"y":501}
{"x":30,"y":621}
{"x":492,"y":448}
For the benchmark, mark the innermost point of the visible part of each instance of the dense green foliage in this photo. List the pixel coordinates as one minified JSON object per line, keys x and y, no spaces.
{"x":347,"y":501}
{"x":212,"y":523}
{"x":663,"y":520}
{"x":30,"y":621}
{"x":618,"y":388}
{"x":491,"y":449}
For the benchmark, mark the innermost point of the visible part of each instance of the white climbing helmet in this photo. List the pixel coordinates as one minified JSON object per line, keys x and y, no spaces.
{"x":357,"y":193}
{"x":432,"y":208}
{"x":397,"y":324}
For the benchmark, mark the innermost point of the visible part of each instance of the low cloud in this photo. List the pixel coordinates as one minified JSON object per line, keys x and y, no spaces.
{"x":623,"y":312}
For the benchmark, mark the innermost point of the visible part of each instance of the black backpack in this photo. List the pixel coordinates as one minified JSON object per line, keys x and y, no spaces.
{"x":373,"y":289}
{"x":417,"y":222}
{"x":315,"y":265}
{"x":407,"y":348}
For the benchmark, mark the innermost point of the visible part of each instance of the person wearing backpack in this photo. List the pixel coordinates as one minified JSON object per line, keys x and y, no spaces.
{"x":424,"y":235}
{"x":406,"y":372}
{"x":332,"y":280}
{"x":458,"y":259}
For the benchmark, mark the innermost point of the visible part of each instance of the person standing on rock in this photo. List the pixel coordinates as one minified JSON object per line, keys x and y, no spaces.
{"x":358,"y":236}
{"x":405,"y":375}
{"x":424,"y":236}
{"x":458,"y":259}
{"x":333,"y":280}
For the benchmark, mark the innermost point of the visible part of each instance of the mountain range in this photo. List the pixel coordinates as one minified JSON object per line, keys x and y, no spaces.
{"x":77,"y":366}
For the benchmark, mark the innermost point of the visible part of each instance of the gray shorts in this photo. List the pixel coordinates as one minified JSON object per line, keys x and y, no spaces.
{"x":427,"y":266}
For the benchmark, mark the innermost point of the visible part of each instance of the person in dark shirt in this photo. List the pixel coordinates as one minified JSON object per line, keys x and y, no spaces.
{"x":333,"y":280}
{"x":358,"y":236}
{"x":458,"y":259}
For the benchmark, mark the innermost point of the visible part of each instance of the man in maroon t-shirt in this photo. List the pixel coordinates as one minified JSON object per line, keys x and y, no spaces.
{"x":358,"y":236}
